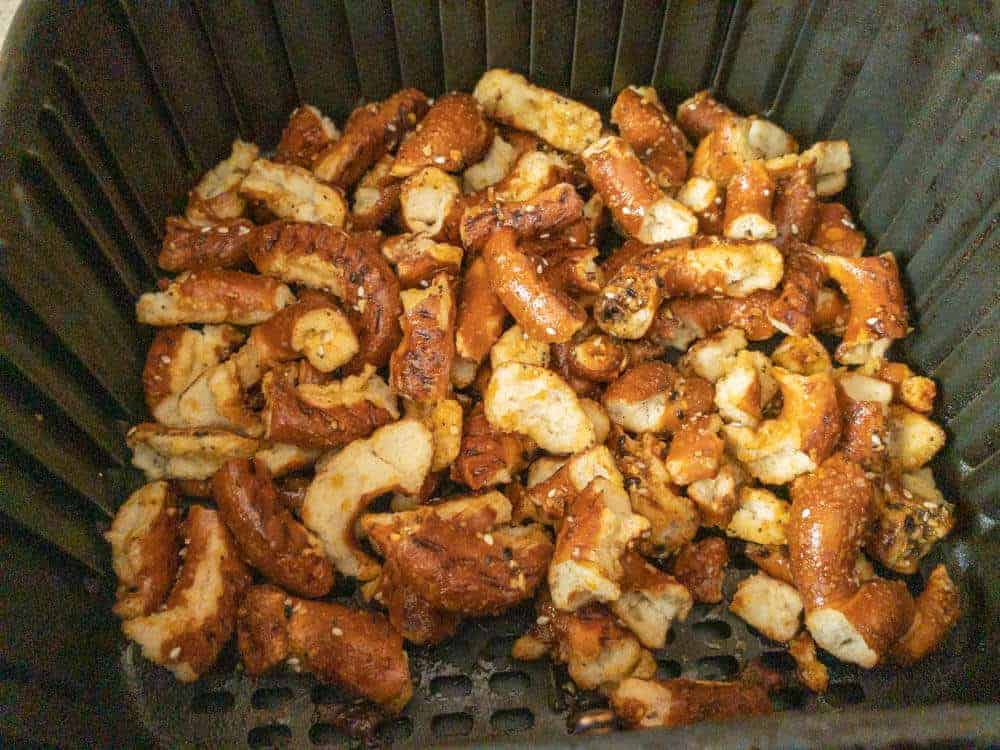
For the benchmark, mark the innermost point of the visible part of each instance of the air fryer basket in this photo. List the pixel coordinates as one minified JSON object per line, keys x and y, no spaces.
{"x":111,"y":109}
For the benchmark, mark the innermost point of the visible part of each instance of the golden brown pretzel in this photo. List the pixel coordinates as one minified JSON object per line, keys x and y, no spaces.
{"x":650,"y":131}
{"x":545,"y":313}
{"x":145,"y":542}
{"x":701,"y":566}
{"x":348,"y":265}
{"x":328,"y":415}
{"x":700,"y":114}
{"x":370,"y":132}
{"x":835,"y":232}
{"x":796,"y":209}
{"x":749,"y":202}
{"x":190,"y":247}
{"x":636,"y":202}
{"x":418,"y":258}
{"x":420,"y":368}
{"x":805,"y":273}
{"x":547,"y":211}
{"x":681,"y":701}
{"x":352,"y":648}
{"x":213,"y":296}
{"x":487,"y":456}
{"x":376,"y":196}
{"x":453,"y":134}
{"x":307,"y":133}
{"x":270,"y":539}
{"x":188,"y":633}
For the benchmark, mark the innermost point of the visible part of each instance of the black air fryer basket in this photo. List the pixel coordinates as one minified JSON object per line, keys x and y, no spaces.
{"x":111,"y":109}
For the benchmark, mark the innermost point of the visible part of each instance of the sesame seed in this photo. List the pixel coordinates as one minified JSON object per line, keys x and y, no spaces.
{"x":543,"y":620}
{"x":206,"y":229}
{"x":223,"y":230}
{"x":488,"y":538}
{"x":243,"y":230}
{"x":806,"y":513}
{"x":439,"y":160}
{"x":551,"y":331}
{"x":337,"y":631}
{"x":175,"y":653}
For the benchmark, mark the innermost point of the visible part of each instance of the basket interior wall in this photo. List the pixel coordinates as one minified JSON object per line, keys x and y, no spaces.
{"x":111,"y":109}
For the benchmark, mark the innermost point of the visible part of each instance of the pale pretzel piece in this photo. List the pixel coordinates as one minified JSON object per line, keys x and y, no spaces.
{"x":509,"y":98}
{"x":598,"y":526}
{"x":700,"y":114}
{"x":190,"y":247}
{"x":354,"y":649}
{"x":532,"y":173}
{"x":291,"y":192}
{"x":427,"y":199}
{"x":681,"y":701}
{"x":216,"y":196}
{"x":285,"y":458}
{"x":214,"y":296}
{"x":444,"y":420}
{"x":537,"y":403}
{"x":835,"y":231}
{"x":417,"y":258}
{"x":516,"y":346}
{"x":770,"y":606}
{"x":453,"y":134}
{"x":176,"y":358}
{"x":307,"y":133}
{"x":545,"y":497}
{"x":913,"y":439}
{"x":769,"y":140}
{"x":717,"y":498}
{"x":855,"y":622}
{"x":187,"y":636}
{"x":267,"y":535}
{"x":687,"y":267}
{"x":673,"y":518}
{"x":705,"y":199}
{"x":376,"y":196}
{"x":324,"y":416}
{"x":420,"y":368}
{"x":744,"y":391}
{"x":547,"y":211}
{"x":938,"y":608}
{"x":396,"y":457}
{"x":544,"y":313}
{"x":878,"y":313}
{"x":217,"y":399}
{"x":644,"y":123}
{"x":348,"y":265}
{"x":749,"y":202}
{"x":833,"y":160}
{"x":761,"y":518}
{"x":799,"y":438}
{"x":654,"y":397}
{"x":597,"y":651}
{"x":145,"y":542}
{"x":650,"y":600}
{"x":636,"y":202}
{"x":184,"y":453}
{"x":495,"y":164}
{"x":712,"y":357}
{"x":370,"y":132}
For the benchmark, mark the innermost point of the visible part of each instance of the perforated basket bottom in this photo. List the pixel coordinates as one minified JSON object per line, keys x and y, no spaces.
{"x":468,"y":688}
